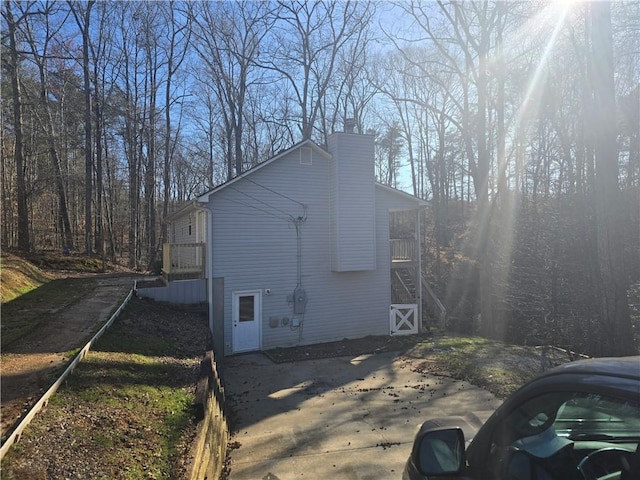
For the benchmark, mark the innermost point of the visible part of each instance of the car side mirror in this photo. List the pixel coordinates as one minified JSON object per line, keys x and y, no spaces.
{"x":440,"y":452}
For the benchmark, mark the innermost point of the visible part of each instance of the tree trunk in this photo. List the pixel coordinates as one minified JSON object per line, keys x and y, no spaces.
{"x":50,"y":134}
{"x":150,"y":171}
{"x":88,"y":146}
{"x":99,"y":233}
{"x":615,"y":323}
{"x":488,"y":325}
{"x":166,"y":171}
{"x":63,"y":211}
{"x":131,"y":151}
{"x":23,"y":211}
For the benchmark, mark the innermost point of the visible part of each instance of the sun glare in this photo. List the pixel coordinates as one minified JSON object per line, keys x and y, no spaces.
{"x":544,"y":29}
{"x":553,"y":16}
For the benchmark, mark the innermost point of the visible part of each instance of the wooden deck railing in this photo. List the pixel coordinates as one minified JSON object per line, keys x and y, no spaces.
{"x":403,"y":249}
{"x":183,"y":259}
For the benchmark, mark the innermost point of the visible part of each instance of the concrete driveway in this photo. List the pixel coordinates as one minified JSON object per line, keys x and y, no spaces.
{"x":339,"y":418}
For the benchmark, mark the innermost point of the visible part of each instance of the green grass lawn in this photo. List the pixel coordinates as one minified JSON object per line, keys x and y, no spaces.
{"x":127,"y":408}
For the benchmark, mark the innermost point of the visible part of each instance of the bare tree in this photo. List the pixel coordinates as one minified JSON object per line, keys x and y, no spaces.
{"x":101,"y":58}
{"x":133,"y":122}
{"x":40,"y":32}
{"x":617,"y":336}
{"x":228,"y":41}
{"x":177,"y":49}
{"x":306,"y":44}
{"x":152,"y":29}
{"x":82,"y":15}
{"x":351,"y":93}
{"x":16,"y":97}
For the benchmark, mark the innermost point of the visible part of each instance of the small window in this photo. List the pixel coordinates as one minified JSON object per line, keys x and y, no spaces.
{"x":247,"y":308}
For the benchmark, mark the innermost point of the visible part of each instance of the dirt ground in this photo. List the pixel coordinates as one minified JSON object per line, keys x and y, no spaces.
{"x":359,"y":346}
{"x":498,"y":367}
{"x":30,"y":365}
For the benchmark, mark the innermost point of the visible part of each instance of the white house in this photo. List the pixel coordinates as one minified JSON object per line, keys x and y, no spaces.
{"x":298,"y":250}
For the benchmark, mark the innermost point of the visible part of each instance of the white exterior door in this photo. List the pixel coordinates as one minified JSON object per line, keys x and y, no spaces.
{"x":247,"y":314}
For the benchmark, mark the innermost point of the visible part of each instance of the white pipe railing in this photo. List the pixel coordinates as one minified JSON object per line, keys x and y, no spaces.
{"x":440,"y":309}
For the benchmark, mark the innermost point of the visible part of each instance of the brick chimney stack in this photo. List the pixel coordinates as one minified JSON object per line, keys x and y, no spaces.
{"x":349,"y":125}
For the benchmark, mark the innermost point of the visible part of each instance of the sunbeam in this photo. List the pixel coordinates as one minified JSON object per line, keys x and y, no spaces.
{"x":554,"y":14}
{"x":492,"y":241}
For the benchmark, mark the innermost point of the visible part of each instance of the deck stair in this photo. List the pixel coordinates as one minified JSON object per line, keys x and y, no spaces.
{"x":403,"y":286}
{"x":433,"y":310}
{"x":404,"y":291}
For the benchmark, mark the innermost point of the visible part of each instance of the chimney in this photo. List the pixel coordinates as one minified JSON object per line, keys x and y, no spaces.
{"x":353,"y":199}
{"x":349,"y":125}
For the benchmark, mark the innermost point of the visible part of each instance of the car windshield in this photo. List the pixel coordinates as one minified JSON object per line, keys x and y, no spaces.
{"x":575,"y":415}
{"x":561,"y":432}
{"x":594,"y":416}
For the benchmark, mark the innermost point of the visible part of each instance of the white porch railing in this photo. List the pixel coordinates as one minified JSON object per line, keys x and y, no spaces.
{"x":183,"y":258}
{"x":403,"y":249}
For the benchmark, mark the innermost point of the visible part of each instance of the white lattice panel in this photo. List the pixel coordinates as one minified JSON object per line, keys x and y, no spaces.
{"x":403,"y":319}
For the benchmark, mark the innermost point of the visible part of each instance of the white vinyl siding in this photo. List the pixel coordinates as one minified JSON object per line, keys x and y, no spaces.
{"x":189,"y":228}
{"x":254,"y":248}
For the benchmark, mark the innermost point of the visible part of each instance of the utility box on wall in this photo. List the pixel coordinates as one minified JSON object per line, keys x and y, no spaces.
{"x":299,"y":301}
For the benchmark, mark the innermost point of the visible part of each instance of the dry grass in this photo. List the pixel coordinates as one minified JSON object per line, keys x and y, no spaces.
{"x":499,"y":367}
{"x":40,"y":285}
{"x":18,"y":276}
{"x":28,"y":311}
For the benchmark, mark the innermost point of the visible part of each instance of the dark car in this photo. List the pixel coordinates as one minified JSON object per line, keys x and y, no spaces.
{"x":578,"y":421}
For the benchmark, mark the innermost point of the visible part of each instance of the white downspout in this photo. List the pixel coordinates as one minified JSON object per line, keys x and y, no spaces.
{"x":419,"y":245}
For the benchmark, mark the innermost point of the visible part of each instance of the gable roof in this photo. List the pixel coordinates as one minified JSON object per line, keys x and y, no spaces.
{"x":305,"y":143}
{"x":186,"y":208}
{"x":203,"y":198}
{"x":406,"y":196}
